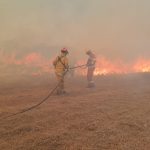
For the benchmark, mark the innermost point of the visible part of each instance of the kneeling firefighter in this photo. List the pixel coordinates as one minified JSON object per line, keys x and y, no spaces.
{"x":61,"y":66}
{"x":91,"y":62}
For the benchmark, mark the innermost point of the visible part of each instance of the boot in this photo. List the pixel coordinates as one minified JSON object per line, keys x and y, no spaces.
{"x":58,"y":92}
{"x":91,"y":84}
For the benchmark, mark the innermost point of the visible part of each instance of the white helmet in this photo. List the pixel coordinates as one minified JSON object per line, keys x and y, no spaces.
{"x":88,"y":52}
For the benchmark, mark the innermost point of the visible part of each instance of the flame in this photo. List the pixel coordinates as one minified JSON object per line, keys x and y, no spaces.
{"x":142,"y":65}
{"x":105,"y":66}
{"x":30,"y":61}
{"x":38,"y":64}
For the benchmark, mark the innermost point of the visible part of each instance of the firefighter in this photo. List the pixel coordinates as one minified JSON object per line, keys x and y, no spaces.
{"x":61,"y":67}
{"x":91,"y":62}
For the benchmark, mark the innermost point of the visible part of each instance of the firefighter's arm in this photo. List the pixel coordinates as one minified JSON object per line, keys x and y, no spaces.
{"x":55,"y":62}
{"x":66,"y":62}
{"x":88,"y":63}
{"x":94,"y":61}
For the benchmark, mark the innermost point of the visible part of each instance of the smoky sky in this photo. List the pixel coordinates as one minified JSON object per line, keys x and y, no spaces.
{"x":112,"y":28}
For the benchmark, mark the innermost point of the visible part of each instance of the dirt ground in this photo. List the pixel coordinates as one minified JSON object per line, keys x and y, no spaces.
{"x":113,"y":116}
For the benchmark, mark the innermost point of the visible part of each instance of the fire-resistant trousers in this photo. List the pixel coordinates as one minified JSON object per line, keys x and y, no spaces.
{"x":60,"y":79}
{"x":90,"y":74}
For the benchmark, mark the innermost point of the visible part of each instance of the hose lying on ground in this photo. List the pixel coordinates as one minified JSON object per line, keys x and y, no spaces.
{"x":42,"y":101}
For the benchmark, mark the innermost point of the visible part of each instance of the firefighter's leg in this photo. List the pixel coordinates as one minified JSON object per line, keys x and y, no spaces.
{"x":62,"y":84}
{"x":90,"y":74}
{"x":60,"y":89}
{"x":59,"y":83}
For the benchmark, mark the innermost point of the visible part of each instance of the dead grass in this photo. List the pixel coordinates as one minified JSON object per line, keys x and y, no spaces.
{"x":113,"y":116}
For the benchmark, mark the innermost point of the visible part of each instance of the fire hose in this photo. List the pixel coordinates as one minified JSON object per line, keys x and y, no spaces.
{"x":43,"y":100}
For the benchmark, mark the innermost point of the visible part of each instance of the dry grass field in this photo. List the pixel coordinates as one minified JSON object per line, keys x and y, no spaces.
{"x":113,"y":116}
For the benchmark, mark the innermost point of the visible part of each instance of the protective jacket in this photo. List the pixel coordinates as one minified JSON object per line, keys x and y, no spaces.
{"x":91,"y":61}
{"x":61,"y":64}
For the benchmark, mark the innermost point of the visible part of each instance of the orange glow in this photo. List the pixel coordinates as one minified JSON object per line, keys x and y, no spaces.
{"x":38,"y":64}
{"x":30,"y":61}
{"x":142,"y":66}
{"x":105,"y":66}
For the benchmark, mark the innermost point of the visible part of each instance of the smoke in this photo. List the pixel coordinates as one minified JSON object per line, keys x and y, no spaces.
{"x":106,"y":66}
{"x":36,"y":64}
{"x":31,"y":64}
{"x":33,"y":32}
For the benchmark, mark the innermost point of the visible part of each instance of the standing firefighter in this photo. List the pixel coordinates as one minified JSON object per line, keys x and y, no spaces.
{"x":61,"y":67}
{"x":91,"y":62}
